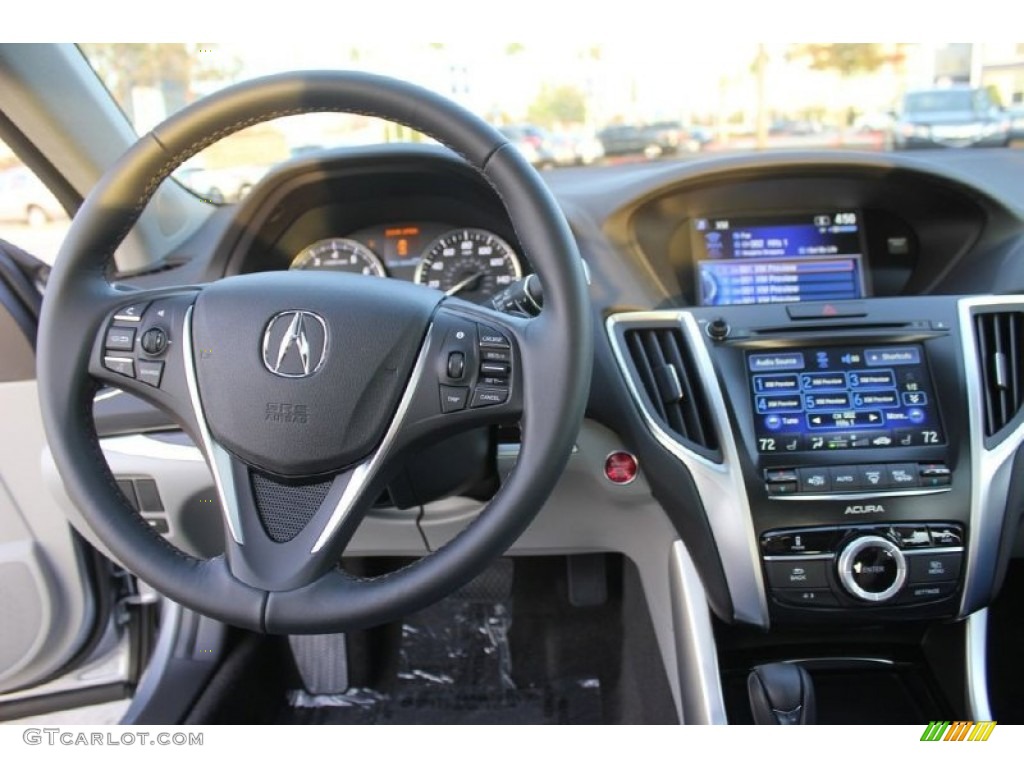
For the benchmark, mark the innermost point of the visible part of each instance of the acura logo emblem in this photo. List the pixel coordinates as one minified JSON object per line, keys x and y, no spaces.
{"x":295,"y":344}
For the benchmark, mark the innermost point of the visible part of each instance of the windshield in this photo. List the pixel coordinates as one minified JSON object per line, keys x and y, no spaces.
{"x":589,"y":103}
{"x":938,"y":101}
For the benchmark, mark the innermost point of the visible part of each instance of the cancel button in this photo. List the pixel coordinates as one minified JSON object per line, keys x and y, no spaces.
{"x":796,"y":573}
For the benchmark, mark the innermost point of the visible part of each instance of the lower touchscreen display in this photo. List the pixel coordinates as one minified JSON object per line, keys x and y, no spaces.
{"x":830,"y":398}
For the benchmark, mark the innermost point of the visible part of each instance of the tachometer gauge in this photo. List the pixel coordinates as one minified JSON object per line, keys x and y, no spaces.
{"x":472,"y":264}
{"x":341,"y":255}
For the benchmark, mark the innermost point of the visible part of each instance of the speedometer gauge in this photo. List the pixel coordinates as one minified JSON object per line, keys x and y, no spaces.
{"x":473,"y":264}
{"x":339,"y":254}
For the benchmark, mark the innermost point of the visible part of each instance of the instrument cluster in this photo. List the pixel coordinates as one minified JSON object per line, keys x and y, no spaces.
{"x":468,"y":262}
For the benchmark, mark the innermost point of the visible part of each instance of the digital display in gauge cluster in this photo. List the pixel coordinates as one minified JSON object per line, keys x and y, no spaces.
{"x":471,"y":263}
{"x":779,"y":258}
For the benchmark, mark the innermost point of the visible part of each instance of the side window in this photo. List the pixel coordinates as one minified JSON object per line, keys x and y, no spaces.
{"x":30,"y":216}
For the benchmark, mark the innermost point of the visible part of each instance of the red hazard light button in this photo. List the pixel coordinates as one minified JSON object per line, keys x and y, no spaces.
{"x":620,"y":467}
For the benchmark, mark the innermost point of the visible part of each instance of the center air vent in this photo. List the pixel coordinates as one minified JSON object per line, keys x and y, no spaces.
{"x":999,"y":336}
{"x":669,"y":381}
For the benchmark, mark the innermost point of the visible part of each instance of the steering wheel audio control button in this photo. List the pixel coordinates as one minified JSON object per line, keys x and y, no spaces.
{"x":453,"y":399}
{"x":131,"y":313}
{"x":154,"y":341}
{"x":122,"y":365}
{"x":484,"y":396}
{"x":120,"y":339}
{"x":150,"y":372}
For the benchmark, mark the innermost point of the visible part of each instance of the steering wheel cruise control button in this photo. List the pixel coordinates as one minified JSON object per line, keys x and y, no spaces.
{"x":453,"y":399}
{"x":492,"y":338}
{"x":122,"y":365}
{"x":495,"y":355}
{"x":494,"y":369}
{"x":484,"y":396}
{"x":120,"y":339}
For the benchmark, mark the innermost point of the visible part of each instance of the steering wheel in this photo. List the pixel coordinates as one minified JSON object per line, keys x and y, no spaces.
{"x":303,"y":389}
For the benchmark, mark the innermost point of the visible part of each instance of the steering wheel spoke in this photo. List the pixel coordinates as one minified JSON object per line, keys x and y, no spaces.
{"x":141,"y":347}
{"x":285,"y":534}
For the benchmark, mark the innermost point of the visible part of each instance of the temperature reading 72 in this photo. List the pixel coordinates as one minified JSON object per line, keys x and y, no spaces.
{"x":929,"y":437}
{"x":767,"y":444}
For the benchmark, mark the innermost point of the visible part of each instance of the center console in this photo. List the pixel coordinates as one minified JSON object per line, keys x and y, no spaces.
{"x":853,"y":457}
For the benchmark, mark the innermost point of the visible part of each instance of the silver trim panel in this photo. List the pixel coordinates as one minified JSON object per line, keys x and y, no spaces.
{"x":720,"y":485}
{"x":362,"y":474}
{"x":990,"y":467}
{"x":829,"y":556}
{"x":700,"y":684}
{"x":142,"y":446}
{"x":976,"y":655}
{"x":859,"y":496}
{"x":219,"y":459}
{"x":933,"y":551}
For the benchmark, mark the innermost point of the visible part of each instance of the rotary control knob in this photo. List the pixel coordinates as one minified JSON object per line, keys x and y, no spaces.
{"x":718,"y":329}
{"x":872,"y":569}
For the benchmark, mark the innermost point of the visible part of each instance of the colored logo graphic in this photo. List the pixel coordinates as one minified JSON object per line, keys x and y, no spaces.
{"x":960,"y":730}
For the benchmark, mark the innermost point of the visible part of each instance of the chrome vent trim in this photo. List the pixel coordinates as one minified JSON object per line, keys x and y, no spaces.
{"x":719,"y":482}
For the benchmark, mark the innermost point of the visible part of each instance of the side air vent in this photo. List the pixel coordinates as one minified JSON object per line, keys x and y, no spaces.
{"x":668,"y":379}
{"x":999,"y":336}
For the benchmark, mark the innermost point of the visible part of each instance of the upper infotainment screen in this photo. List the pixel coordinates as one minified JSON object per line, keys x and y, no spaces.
{"x":785,"y":258}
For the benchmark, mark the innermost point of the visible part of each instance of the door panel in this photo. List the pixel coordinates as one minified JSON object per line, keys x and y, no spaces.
{"x":47,"y":605}
{"x":45,"y":598}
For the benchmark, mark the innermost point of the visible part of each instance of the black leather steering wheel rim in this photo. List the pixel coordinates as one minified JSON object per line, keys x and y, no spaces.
{"x":79,"y":297}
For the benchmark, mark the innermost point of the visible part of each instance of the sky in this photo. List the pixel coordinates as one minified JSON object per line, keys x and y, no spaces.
{"x":708,"y":26}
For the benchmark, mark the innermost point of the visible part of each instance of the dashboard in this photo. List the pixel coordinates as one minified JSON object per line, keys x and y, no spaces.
{"x":819,"y":414}
{"x":801,"y":350}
